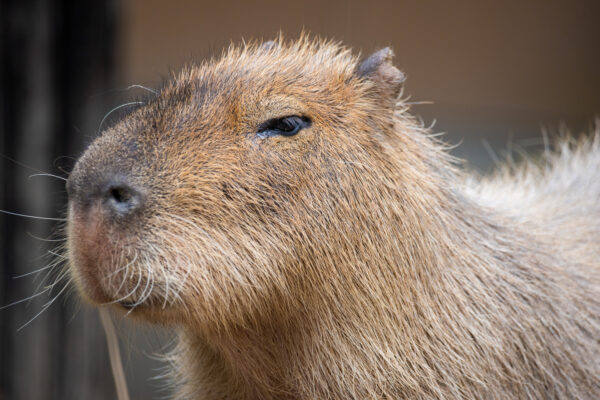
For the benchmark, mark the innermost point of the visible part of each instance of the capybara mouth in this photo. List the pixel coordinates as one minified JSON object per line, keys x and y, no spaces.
{"x":111,"y":266}
{"x":105,"y":270}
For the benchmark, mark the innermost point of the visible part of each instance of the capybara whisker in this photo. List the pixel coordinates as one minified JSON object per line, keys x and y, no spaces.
{"x":26,"y":298}
{"x":132,"y":103}
{"x":31,"y":216}
{"x":137,"y":86}
{"x":45,"y":306}
{"x":49,"y":175}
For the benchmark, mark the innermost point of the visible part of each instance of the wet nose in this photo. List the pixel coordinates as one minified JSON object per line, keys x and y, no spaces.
{"x":116,"y":195}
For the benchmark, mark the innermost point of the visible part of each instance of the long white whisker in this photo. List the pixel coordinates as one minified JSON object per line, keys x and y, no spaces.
{"x":142,"y":87}
{"x":47,"y":275}
{"x":50,"y":175}
{"x":123,"y":280}
{"x":45,"y":307}
{"x":26,"y":298}
{"x":183,"y":259}
{"x":115,"y":109}
{"x":22,"y":164}
{"x":45,"y":240}
{"x":122,"y":268}
{"x":58,"y":255}
{"x":143,"y":295}
{"x":151,"y":286}
{"x":164,"y":270}
{"x":139,"y":271}
{"x":130,"y":293}
{"x":37,"y":270}
{"x":181,"y":282}
{"x":185,"y":277}
{"x":32,"y":216}
{"x":418,"y":102}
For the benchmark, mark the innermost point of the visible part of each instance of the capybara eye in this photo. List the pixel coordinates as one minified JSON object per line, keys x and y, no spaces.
{"x":286,"y":126}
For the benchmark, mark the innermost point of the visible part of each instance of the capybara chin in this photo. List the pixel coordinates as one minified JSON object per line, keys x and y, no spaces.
{"x":309,"y":239}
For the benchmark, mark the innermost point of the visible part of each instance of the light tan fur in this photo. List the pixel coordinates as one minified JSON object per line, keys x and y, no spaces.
{"x":351,"y":261}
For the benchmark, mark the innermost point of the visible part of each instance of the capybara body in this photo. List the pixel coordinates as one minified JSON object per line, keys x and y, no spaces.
{"x":309,"y":239}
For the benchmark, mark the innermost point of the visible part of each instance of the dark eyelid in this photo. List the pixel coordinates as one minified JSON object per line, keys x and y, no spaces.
{"x":278,"y":126}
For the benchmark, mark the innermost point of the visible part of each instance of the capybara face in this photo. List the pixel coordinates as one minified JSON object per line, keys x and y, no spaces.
{"x":212,"y":200}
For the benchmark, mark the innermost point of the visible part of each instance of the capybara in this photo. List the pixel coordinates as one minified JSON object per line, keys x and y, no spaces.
{"x":308,"y":238}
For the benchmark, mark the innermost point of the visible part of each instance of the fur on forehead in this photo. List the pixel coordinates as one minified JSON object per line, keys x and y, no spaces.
{"x":314,"y":73}
{"x":306,"y":59}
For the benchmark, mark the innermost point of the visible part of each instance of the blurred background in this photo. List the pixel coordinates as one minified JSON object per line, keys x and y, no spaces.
{"x":496,"y":73}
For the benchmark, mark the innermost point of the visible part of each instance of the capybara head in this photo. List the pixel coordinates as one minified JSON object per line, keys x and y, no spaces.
{"x":232,"y":194}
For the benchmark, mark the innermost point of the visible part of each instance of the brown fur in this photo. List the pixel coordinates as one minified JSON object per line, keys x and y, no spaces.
{"x":351,"y":261}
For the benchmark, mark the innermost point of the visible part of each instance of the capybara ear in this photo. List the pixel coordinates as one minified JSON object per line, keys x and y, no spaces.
{"x":378,"y":68}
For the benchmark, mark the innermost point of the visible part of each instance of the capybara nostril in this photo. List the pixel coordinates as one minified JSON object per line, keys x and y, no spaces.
{"x":122,"y":199}
{"x":115,"y":192}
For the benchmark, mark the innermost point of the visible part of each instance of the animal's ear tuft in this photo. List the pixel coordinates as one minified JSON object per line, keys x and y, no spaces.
{"x":378,"y":68}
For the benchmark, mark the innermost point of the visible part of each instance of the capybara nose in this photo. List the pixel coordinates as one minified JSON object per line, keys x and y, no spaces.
{"x":115,"y":195}
{"x":121,"y":199}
